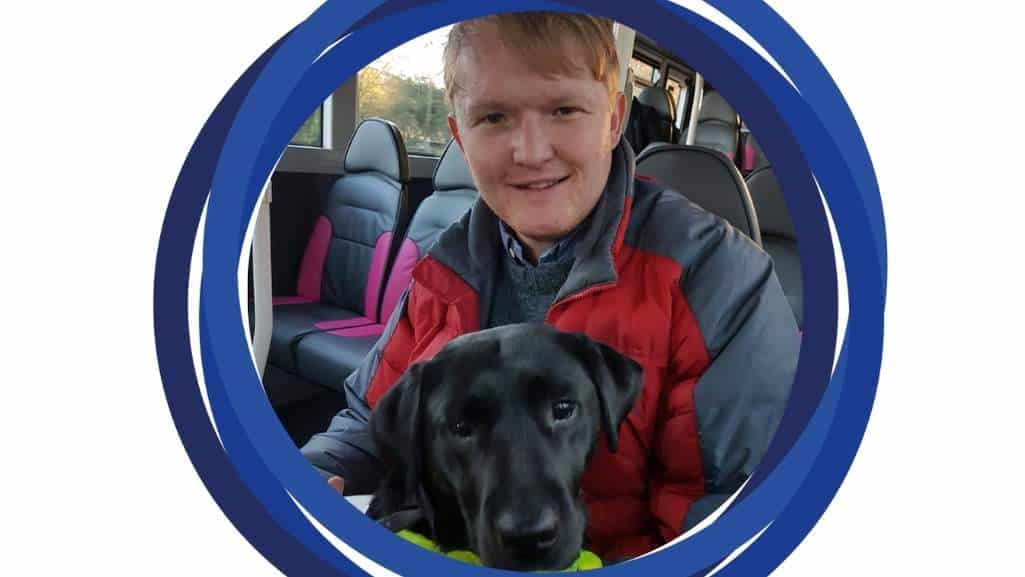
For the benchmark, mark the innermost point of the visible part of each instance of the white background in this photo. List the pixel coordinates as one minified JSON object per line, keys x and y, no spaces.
{"x":102,"y":101}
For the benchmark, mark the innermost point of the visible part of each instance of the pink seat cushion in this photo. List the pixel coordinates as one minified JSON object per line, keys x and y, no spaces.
{"x":401,"y":274}
{"x":343,"y":324}
{"x":311,"y":270}
{"x":374,"y":330}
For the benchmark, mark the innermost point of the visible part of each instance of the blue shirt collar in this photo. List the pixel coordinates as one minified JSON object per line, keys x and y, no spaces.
{"x":561,"y":250}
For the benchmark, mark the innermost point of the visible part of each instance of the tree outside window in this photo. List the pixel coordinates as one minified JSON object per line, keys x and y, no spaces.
{"x":406,"y":86}
{"x":311,"y":133}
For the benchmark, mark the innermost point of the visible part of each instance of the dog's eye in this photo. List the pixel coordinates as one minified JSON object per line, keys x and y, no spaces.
{"x":563,"y":410}
{"x":461,"y":429}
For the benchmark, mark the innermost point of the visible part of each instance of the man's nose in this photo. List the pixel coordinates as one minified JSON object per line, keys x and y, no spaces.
{"x":532,"y":143}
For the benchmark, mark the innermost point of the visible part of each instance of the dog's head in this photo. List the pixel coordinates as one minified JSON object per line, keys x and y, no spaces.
{"x":492,"y":436}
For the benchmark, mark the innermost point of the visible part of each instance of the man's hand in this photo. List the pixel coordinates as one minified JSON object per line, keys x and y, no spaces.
{"x":337,"y":483}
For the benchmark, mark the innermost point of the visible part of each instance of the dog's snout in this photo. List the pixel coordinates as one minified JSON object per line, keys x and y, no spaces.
{"x":528,"y":534}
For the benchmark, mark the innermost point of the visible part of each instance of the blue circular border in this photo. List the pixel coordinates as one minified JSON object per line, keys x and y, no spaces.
{"x":808,"y":130}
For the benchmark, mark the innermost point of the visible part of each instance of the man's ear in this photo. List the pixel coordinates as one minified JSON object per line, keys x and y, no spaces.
{"x":396,"y":424}
{"x":617,"y":120}
{"x":453,"y":127}
{"x":617,"y":380}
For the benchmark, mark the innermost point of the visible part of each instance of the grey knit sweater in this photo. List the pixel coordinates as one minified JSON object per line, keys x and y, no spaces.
{"x":525,"y":293}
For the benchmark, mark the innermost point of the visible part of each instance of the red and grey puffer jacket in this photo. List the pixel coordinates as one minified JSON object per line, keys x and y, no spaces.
{"x":681,"y":292}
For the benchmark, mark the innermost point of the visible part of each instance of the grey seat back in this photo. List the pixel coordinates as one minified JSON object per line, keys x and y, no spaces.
{"x":707,"y":178}
{"x":778,"y":236}
{"x":718,"y":126}
{"x":362,"y":210}
{"x":651,"y":118}
{"x":659,"y":102}
{"x":454,"y":194}
{"x":754,"y":156}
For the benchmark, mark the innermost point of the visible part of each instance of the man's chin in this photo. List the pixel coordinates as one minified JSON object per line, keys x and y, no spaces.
{"x":546,"y":236}
{"x":542,"y":232}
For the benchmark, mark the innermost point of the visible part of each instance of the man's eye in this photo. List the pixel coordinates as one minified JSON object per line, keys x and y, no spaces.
{"x":563,"y":410}
{"x":461,"y":429}
{"x":493,"y":118}
{"x":565,"y":111}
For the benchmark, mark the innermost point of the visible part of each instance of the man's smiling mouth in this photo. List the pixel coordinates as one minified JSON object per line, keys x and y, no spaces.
{"x":540,"y":184}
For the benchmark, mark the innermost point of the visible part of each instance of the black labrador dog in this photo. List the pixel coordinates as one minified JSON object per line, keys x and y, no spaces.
{"x":484,"y":445}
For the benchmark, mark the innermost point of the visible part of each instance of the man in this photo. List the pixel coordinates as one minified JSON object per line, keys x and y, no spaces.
{"x":565,"y":234}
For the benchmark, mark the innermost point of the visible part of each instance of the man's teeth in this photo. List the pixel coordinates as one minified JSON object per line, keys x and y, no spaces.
{"x":540,"y":185}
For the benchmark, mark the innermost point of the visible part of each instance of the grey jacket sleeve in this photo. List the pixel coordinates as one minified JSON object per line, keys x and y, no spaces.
{"x":347,"y":449}
{"x":753,"y":343}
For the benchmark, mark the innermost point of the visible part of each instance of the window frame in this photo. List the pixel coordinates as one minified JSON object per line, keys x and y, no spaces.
{"x":647,"y":58}
{"x":339,"y":122}
{"x":686,"y":79}
{"x":326,"y":110}
{"x":665,"y":65}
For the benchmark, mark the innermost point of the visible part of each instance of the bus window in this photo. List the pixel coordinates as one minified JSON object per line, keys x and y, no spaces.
{"x":316,"y":130}
{"x":677,"y":85}
{"x":406,"y":86}
{"x":645,"y":73}
{"x":673,"y":88}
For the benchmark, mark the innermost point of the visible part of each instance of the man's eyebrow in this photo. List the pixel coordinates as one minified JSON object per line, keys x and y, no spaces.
{"x":554,"y":101}
{"x":482,"y":105}
{"x":568,"y":99}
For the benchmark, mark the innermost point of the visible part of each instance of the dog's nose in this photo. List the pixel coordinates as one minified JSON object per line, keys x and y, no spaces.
{"x":528,"y":534}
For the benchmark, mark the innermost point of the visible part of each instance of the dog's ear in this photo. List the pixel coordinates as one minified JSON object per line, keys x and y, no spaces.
{"x":396,"y":426}
{"x":617,"y":379}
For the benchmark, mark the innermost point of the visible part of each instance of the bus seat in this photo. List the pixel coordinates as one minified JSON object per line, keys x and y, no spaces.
{"x":707,"y":178}
{"x":754,"y":157}
{"x":651,"y":118}
{"x":328,"y":357}
{"x":718,"y":126}
{"x":343,"y":268}
{"x":778,"y":236}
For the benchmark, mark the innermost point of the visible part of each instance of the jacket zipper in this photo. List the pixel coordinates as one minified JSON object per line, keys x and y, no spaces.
{"x":577,"y":296}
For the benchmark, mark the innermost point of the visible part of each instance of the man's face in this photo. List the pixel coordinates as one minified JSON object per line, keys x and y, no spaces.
{"x":539,"y":148}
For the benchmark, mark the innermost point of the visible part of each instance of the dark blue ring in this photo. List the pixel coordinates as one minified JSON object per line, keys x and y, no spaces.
{"x":257,"y":473}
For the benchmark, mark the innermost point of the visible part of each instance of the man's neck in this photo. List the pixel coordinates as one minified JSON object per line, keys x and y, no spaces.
{"x":534,"y":251}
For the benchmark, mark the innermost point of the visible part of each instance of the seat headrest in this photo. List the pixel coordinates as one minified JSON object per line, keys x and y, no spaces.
{"x":707,"y":178}
{"x":452,"y":172}
{"x":658,"y":98}
{"x":377,"y":146}
{"x":715,"y":107}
